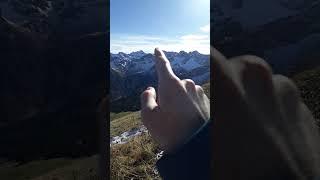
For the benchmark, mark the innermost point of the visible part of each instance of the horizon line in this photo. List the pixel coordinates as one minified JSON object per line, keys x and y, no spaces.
{"x":162,"y":50}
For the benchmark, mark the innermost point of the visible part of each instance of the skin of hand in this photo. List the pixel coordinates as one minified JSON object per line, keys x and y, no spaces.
{"x":176,"y":110}
{"x":261,"y":126}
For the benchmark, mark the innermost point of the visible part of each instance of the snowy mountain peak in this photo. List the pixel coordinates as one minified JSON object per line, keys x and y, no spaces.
{"x":141,"y":62}
{"x":137,"y":54}
{"x":195,"y":53}
{"x":183,"y":53}
{"x":137,"y":70}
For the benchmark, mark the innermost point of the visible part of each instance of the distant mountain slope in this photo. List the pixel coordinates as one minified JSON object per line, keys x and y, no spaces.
{"x":131,"y":73}
{"x":286,"y":37}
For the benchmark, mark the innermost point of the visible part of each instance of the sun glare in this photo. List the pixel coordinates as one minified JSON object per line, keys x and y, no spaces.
{"x":199,"y":7}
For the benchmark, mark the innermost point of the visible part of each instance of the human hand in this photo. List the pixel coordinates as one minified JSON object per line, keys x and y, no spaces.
{"x":261,"y":126}
{"x":177,"y":110}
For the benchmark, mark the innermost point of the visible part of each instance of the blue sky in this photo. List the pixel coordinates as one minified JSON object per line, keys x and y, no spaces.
{"x":172,"y":25}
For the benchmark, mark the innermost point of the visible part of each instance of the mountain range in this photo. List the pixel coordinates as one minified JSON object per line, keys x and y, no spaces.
{"x":285,"y":33}
{"x":131,"y":73}
{"x":69,"y":18}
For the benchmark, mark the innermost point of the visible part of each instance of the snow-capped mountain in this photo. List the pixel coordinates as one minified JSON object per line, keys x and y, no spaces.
{"x":140,"y":62}
{"x":131,"y":73}
{"x":284,"y":33}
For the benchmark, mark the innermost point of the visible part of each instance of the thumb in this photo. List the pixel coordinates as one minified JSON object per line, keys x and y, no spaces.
{"x":148,"y":101}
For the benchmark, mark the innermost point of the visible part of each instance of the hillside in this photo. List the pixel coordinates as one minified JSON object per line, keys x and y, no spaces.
{"x":206,"y":88}
{"x":50,"y":87}
{"x":52,"y":79}
{"x":309,"y":84}
{"x":135,"y":159}
{"x":85,"y":168}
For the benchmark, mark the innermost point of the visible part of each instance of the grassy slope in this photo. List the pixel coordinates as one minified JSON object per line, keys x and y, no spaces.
{"x":52,"y":169}
{"x":114,"y":116}
{"x":135,"y":159}
{"x":124,"y":121}
{"x":206,"y":88}
{"x":308,"y":83}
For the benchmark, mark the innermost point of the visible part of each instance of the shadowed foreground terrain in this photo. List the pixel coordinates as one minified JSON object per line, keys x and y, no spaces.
{"x":51,"y":87}
{"x":136,"y":159}
{"x":52,"y":169}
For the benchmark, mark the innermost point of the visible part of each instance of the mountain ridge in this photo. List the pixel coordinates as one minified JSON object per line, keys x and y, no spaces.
{"x":130,"y":73}
{"x":287,"y":41}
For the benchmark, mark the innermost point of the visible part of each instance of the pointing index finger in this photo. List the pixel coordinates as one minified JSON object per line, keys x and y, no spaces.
{"x":163,"y":66}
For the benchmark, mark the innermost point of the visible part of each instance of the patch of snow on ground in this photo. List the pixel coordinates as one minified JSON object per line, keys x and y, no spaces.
{"x":126,"y":136}
{"x":159,"y":155}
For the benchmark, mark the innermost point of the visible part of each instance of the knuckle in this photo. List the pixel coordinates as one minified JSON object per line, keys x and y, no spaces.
{"x":199,"y":89}
{"x":254,"y":63}
{"x":252,"y":67}
{"x":189,"y":84}
{"x":285,"y":87}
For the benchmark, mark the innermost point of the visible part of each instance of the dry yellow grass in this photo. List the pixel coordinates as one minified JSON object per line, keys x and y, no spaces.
{"x":124,"y":123}
{"x":134,"y":160}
